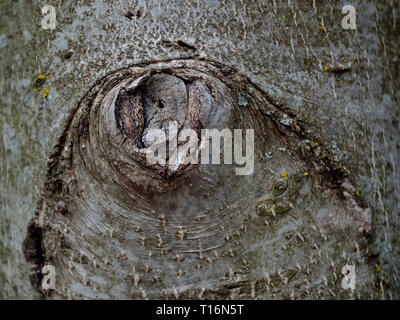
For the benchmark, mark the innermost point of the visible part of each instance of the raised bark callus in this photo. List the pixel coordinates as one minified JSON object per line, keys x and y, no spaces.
{"x":115,"y":225}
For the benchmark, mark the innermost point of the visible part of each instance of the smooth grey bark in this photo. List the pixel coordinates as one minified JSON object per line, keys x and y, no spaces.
{"x":283,"y":48}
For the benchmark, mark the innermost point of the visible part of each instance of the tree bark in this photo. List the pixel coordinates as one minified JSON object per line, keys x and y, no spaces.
{"x":323,"y":103}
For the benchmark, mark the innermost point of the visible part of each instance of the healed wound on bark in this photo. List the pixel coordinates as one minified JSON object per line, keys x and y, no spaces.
{"x":160,"y":100}
{"x":107,"y":213}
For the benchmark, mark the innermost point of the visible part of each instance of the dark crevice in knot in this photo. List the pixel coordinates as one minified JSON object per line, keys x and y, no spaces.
{"x":162,"y":100}
{"x":129,"y":115}
{"x":34,"y":253}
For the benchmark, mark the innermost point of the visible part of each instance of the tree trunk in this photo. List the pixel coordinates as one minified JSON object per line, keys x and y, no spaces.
{"x":78,"y":193}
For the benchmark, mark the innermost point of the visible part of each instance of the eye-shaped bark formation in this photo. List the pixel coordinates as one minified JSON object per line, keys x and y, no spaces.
{"x":179,"y":229}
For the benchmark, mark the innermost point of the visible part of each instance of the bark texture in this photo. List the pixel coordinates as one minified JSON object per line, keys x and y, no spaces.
{"x":115,"y":227}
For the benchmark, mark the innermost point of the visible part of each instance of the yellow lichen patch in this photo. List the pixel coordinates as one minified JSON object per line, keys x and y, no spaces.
{"x":306,"y":173}
{"x":285,"y":176}
{"x":45,"y":92}
{"x":41,"y":76}
{"x":357,"y":191}
{"x":39,"y":81}
{"x":378,"y":268}
{"x":294,"y":183}
{"x":326,"y":68}
{"x":267,"y":198}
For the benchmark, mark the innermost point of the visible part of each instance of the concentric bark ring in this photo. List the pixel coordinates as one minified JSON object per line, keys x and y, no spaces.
{"x":185,"y":229}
